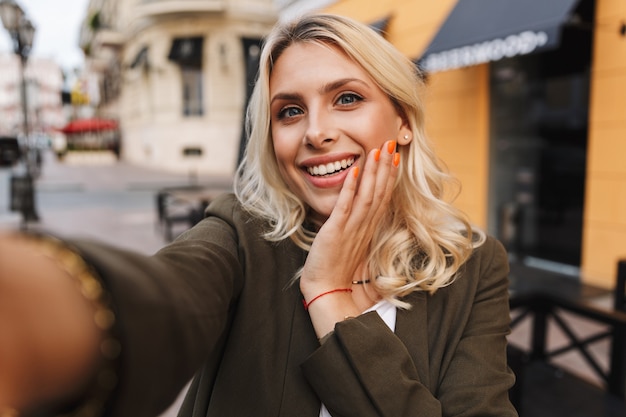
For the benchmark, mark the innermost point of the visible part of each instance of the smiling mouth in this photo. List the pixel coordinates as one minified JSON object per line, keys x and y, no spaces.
{"x":330,"y":168}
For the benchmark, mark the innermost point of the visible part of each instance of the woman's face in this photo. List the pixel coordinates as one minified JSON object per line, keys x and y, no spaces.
{"x":326,"y":115}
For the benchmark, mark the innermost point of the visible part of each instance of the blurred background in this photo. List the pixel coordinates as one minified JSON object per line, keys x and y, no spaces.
{"x":121,"y":119}
{"x":526,"y":103}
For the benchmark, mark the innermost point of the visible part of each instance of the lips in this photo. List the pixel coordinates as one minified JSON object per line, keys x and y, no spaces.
{"x":330,"y":167}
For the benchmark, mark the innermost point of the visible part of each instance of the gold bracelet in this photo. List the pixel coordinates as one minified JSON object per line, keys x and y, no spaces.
{"x":8,"y":412}
{"x":105,"y":381}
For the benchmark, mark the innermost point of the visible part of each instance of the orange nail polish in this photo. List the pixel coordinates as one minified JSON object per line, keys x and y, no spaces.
{"x":356,"y":172}
{"x":396,"y":159}
{"x":391,"y":147}
{"x":377,"y":155}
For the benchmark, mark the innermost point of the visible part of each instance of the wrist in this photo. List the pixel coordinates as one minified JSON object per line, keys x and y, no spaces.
{"x":311,"y":287}
{"x":78,"y":366}
{"x":330,"y":309}
{"x":324,"y":294}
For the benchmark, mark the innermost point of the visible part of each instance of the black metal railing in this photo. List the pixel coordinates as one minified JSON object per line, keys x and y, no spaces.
{"x":543,"y":306}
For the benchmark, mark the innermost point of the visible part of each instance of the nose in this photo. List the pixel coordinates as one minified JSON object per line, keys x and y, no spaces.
{"x":320,"y":131}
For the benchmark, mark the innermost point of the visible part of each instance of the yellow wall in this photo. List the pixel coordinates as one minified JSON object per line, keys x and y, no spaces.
{"x":604,"y":229}
{"x":457,"y":106}
{"x":457,"y":120}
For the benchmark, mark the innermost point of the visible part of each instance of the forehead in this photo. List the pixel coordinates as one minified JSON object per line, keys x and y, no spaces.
{"x":313,"y":60}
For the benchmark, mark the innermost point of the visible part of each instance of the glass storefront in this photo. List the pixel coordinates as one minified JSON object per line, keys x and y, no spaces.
{"x":539,"y":121}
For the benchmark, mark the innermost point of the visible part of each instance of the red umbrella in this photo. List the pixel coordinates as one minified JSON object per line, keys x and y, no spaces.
{"x":89,"y":125}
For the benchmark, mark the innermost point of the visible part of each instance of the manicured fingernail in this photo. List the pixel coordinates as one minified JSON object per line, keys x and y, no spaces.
{"x":391,"y":147}
{"x":377,"y":155}
{"x":396,"y":159}
{"x":356,"y":172}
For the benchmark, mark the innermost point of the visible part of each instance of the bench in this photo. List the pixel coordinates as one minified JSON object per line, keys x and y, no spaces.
{"x":553,"y":298}
{"x":183,"y":206}
{"x":544,"y":306}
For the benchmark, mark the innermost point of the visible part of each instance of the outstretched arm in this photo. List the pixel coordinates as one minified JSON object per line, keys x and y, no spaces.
{"x":56,"y":333}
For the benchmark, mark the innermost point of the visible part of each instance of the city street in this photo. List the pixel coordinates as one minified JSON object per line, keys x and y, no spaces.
{"x":98,"y":198}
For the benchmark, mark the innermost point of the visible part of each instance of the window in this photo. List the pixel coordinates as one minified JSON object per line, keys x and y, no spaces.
{"x":192,"y":90}
{"x":187,"y":53}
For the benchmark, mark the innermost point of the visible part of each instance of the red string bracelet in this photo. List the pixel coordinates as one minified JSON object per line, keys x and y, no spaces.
{"x":306,"y":305}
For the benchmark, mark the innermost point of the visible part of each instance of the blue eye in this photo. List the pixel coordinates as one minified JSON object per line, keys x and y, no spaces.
{"x":349,"y":98}
{"x":289,"y":112}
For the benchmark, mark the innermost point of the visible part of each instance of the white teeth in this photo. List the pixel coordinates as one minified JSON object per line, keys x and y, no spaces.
{"x":332,"y":167}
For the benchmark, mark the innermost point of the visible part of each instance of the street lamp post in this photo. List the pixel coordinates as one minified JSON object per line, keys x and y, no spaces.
{"x":22,"y":34}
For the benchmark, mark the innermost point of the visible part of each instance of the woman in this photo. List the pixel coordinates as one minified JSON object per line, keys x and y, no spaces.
{"x":337,"y":282}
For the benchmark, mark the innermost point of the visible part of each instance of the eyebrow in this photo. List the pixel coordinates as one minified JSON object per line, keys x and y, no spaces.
{"x":323,"y":90}
{"x":339,"y":83}
{"x":286,"y":96}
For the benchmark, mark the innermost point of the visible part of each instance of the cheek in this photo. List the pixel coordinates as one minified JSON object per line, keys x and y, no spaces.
{"x":285,"y":147}
{"x":373,"y":130}
{"x":285,"y":161}
{"x":280,"y":153}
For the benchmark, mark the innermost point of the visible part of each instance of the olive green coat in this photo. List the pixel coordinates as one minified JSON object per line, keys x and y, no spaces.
{"x":218,"y":303}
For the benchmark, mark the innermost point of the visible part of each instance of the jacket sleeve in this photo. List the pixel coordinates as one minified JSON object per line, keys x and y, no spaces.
{"x":363,"y":369}
{"x":173,"y":309}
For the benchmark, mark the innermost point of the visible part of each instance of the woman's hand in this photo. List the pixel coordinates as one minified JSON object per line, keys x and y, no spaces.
{"x":49,"y":343}
{"x":340,"y":249}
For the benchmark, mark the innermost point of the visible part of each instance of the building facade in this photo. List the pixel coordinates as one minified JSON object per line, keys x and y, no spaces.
{"x":177,"y":76}
{"x":44,"y":83}
{"x":530,"y":119}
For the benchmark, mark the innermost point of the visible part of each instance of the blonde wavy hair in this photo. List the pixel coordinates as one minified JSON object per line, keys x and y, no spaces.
{"x":424,"y":241}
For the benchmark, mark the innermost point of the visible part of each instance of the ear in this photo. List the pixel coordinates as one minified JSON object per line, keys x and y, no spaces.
{"x":405,"y":134}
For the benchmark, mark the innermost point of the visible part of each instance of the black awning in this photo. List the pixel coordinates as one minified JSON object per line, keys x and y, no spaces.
{"x":380,"y":25}
{"x":187,"y":51}
{"x":478,"y":31}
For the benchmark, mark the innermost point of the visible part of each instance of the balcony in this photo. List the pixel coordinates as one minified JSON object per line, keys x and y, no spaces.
{"x":108,"y":38}
{"x":160,"y":8}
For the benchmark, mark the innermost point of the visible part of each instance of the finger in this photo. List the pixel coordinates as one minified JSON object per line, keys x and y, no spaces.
{"x":349,"y":214}
{"x":365,"y":192}
{"x":374,"y":190}
{"x":385,"y":172}
{"x":345,"y":200}
{"x":391,"y":168}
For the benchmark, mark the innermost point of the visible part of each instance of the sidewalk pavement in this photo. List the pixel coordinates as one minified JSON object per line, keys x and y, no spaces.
{"x":107,"y":200}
